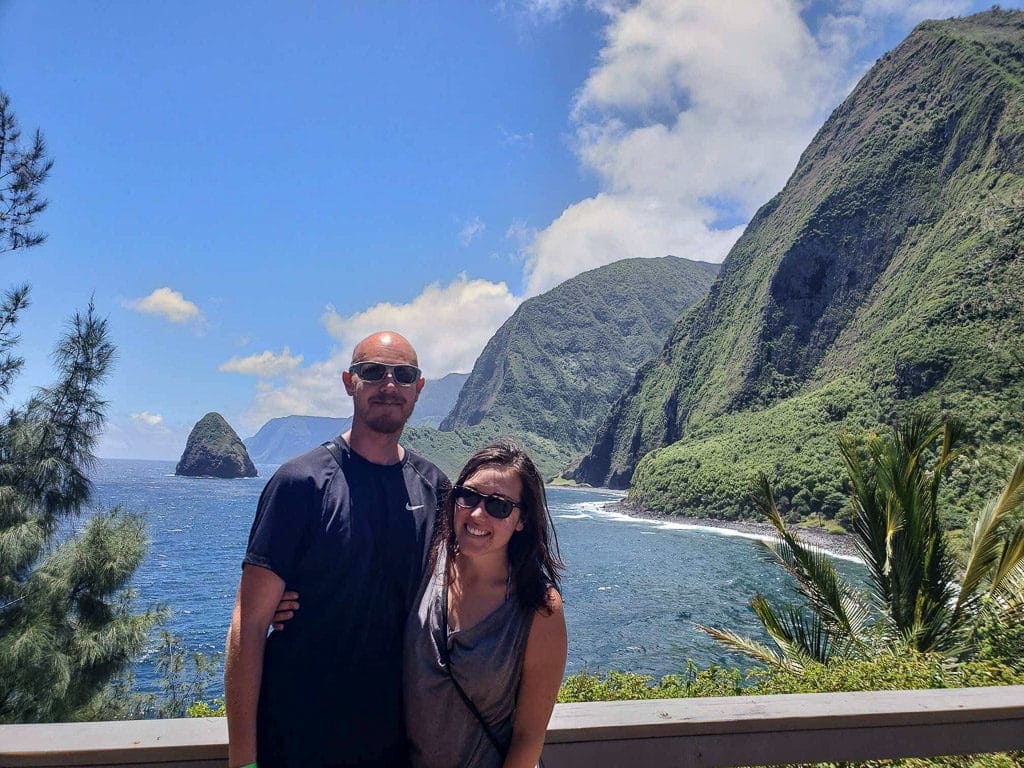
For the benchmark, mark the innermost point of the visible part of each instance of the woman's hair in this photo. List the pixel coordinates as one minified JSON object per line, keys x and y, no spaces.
{"x":533,"y":554}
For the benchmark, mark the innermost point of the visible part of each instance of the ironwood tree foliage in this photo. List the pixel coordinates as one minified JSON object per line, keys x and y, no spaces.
{"x":67,"y":626}
{"x":22,"y":172}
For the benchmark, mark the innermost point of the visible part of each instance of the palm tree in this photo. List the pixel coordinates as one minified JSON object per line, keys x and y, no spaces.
{"x":915,"y":598}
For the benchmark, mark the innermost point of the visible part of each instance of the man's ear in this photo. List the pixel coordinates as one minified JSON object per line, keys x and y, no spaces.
{"x":419,"y":385}
{"x":346,"y":377}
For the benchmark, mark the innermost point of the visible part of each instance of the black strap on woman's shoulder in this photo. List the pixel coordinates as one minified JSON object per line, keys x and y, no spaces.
{"x":446,"y":659}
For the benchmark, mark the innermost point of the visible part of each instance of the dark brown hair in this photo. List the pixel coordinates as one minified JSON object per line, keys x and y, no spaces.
{"x":532,"y":552}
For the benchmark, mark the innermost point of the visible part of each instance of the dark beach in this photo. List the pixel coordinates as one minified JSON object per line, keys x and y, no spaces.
{"x":843,"y":545}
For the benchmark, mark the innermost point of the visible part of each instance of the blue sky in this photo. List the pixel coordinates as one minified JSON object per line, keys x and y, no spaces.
{"x":245,"y":190}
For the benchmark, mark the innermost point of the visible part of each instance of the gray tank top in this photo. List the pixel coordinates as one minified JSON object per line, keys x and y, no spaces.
{"x":486,"y":659}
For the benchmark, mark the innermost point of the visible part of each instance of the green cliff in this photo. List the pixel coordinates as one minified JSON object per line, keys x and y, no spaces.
{"x":552,"y":371}
{"x":885,"y":276}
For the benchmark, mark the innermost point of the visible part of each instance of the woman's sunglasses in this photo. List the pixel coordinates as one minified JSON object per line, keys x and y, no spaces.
{"x":495,"y":506}
{"x":405,"y":375}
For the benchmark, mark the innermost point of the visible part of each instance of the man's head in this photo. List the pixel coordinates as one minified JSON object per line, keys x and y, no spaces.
{"x":383,"y":403}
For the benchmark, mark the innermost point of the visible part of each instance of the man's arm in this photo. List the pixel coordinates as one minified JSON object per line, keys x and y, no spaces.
{"x":258,"y":594}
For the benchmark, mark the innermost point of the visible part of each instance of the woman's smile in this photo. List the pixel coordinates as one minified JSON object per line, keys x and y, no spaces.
{"x":474,"y":531}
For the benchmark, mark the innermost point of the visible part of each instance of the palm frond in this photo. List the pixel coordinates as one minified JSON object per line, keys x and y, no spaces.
{"x":1012,"y":557}
{"x":870,"y":521}
{"x":750,"y":648}
{"x":986,"y":550}
{"x":1013,"y":493}
{"x":1008,"y":594}
{"x":801,"y":636}
{"x":811,"y":567}
{"x":994,"y":552}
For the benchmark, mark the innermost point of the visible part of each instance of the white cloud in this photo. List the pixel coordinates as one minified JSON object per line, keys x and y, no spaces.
{"x":471,"y":229}
{"x":514,"y":139}
{"x":536,"y":11}
{"x":315,"y":390}
{"x":521,"y":235}
{"x":147,"y":418}
{"x":690,"y":102}
{"x":607,"y":228}
{"x":168,"y":304}
{"x":265,"y":365}
{"x":447,"y":324}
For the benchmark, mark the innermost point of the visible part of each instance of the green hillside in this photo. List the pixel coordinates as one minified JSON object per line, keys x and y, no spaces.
{"x":552,"y":371}
{"x":449,"y":450}
{"x":886,"y":276}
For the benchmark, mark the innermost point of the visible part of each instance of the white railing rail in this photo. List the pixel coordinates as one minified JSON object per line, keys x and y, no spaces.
{"x":734,"y":731}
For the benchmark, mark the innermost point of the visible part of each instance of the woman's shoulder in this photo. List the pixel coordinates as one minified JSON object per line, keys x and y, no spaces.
{"x":552,"y":600}
{"x":550,"y":612}
{"x":547,"y":633}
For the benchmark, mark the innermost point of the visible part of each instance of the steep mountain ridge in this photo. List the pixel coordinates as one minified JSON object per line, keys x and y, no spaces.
{"x":888,"y":260}
{"x":558,"y":363}
{"x":549,"y":375}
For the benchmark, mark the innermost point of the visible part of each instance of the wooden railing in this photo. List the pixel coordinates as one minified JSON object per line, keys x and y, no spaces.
{"x":735,"y":731}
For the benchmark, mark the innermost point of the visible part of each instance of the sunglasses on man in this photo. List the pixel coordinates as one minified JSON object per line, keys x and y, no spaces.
{"x":404,"y":375}
{"x":495,"y":506}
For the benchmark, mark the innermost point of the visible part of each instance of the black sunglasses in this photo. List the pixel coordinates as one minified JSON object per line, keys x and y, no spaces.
{"x":404,"y":375}
{"x":495,"y":506}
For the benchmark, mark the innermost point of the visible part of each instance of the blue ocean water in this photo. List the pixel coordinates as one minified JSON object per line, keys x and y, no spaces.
{"x":634,"y":590}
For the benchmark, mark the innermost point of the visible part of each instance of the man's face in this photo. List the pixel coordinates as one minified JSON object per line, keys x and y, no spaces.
{"x":384,"y":406}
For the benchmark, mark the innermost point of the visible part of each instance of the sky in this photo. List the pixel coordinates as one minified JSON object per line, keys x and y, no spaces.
{"x":245,"y":190}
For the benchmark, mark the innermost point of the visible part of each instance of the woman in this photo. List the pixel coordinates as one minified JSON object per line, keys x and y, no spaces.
{"x":485,"y":645}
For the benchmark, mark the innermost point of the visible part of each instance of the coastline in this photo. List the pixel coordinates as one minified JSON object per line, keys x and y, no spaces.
{"x":838,"y":545}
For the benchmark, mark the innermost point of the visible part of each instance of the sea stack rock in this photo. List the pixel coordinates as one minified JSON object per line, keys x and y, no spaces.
{"x":214,"y":450}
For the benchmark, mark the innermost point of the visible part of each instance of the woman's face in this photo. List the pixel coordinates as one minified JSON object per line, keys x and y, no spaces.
{"x":476,"y":532}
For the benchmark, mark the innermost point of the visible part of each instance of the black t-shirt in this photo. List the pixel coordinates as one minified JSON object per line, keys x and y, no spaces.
{"x":352,"y":540}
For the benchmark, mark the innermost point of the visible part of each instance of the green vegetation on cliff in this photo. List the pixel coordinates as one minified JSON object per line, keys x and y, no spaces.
{"x":450,"y":450}
{"x":552,"y":371}
{"x":885,"y":277}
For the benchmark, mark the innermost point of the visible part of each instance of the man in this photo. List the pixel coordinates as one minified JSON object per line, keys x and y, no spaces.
{"x":347,"y":525}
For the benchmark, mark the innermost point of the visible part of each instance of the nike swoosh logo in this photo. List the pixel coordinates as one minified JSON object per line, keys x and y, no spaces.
{"x":411,"y":508}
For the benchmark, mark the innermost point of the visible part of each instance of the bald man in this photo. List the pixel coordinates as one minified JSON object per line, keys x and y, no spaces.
{"x":348,"y":526}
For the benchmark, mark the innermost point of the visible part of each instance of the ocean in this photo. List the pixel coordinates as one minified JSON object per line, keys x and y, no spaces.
{"x":634,"y":590}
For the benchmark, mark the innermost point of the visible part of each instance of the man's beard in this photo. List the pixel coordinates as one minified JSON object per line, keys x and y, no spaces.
{"x":386,"y":423}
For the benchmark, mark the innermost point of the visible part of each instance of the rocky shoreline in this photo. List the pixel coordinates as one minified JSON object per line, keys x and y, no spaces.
{"x":842,"y":545}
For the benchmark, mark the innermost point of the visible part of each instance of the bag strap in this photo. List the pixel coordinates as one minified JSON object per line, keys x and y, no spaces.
{"x":446,"y":660}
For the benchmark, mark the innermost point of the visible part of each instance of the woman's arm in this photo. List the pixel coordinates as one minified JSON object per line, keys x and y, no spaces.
{"x":543,"y":666}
